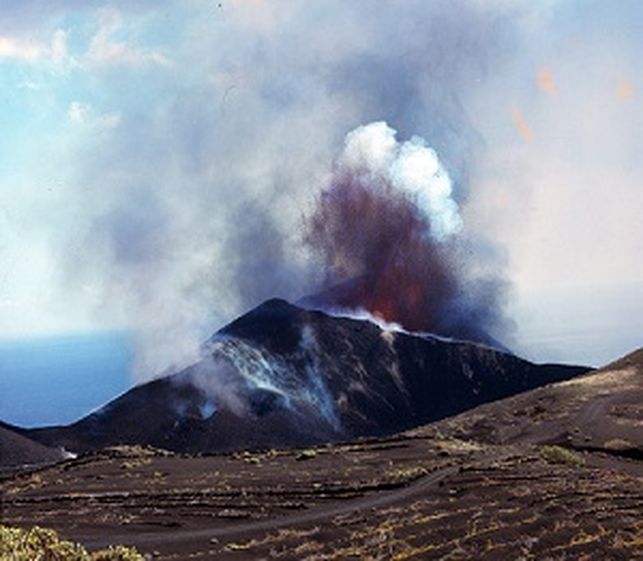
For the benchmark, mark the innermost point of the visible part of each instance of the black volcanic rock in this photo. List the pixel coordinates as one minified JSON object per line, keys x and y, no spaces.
{"x":284,"y":376}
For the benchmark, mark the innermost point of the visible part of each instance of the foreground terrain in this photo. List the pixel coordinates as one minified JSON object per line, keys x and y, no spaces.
{"x":554,"y":473}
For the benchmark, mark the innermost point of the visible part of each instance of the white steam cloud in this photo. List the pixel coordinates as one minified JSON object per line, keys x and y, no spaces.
{"x":411,"y":167}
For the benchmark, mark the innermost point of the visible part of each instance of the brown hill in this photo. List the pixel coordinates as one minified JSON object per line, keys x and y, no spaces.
{"x":599,"y":412}
{"x":17,"y":450}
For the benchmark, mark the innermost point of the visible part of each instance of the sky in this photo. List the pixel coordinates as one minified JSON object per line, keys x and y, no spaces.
{"x":157,"y":157}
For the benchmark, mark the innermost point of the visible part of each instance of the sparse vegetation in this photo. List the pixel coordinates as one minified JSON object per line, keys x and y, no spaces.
{"x":134,"y":464}
{"x":407,"y":474}
{"x":17,"y":544}
{"x":308,"y":454}
{"x":618,"y":445}
{"x":233,"y":546}
{"x":33,"y":481}
{"x":250,"y":457}
{"x":136,"y":451}
{"x":560,"y":455}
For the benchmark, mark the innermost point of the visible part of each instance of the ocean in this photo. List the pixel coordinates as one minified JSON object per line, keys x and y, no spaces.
{"x":58,"y":379}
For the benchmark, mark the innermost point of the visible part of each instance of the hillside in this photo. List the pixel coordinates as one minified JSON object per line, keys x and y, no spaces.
{"x":17,"y":450}
{"x":598,"y":412}
{"x":486,"y":484}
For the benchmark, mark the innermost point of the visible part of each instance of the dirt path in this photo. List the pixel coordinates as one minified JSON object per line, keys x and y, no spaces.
{"x":146,"y":539}
{"x":596,"y":408}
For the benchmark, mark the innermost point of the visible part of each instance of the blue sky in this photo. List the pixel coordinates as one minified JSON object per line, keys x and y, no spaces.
{"x":136,"y":137}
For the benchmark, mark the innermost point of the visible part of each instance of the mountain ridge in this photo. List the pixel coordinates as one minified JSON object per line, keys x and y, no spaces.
{"x":282,"y":375}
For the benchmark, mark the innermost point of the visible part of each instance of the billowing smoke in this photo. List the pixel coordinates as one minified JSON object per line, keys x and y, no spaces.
{"x":220,"y":383}
{"x":386,"y":237}
{"x":387,"y":231}
{"x":204,"y":199}
{"x":161,"y":156}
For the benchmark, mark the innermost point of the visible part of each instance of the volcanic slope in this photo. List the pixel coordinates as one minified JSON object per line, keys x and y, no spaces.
{"x":455,"y":489}
{"x":284,"y":376}
{"x":17,"y":450}
{"x":600,"y":412}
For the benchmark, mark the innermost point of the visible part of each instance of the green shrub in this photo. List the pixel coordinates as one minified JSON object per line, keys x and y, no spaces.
{"x":618,"y":445}
{"x":17,"y":544}
{"x":308,"y":454}
{"x":560,"y":455}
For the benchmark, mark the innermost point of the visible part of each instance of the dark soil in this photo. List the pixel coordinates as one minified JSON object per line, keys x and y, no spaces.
{"x":474,"y":486}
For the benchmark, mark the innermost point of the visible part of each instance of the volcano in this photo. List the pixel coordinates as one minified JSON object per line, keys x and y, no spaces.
{"x":282,"y":375}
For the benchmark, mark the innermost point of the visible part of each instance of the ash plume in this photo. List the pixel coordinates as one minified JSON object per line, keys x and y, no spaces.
{"x":387,"y":231}
{"x":189,"y":212}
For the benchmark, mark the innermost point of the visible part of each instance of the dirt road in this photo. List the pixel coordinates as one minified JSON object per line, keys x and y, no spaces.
{"x":377,"y":499}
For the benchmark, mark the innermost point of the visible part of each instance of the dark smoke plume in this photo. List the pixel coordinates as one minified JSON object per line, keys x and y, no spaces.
{"x":387,"y":231}
{"x":188,"y":213}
